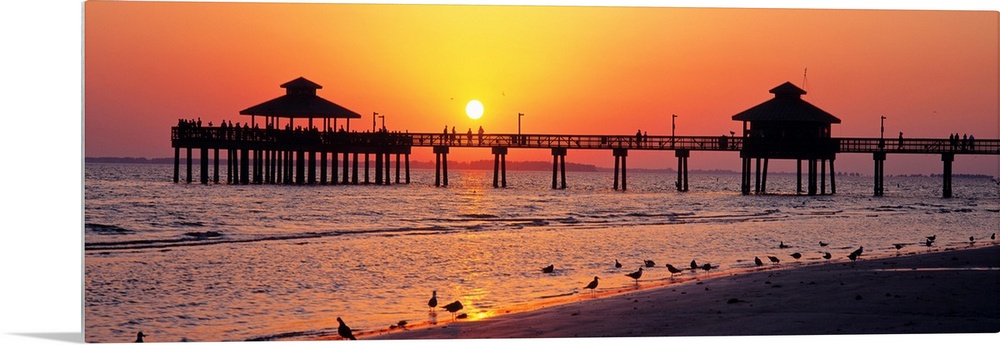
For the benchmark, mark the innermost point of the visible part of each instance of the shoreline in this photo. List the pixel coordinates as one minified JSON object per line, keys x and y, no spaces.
{"x":951,"y":290}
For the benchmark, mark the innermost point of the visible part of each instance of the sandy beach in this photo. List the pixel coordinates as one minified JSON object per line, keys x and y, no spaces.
{"x":944,"y":291}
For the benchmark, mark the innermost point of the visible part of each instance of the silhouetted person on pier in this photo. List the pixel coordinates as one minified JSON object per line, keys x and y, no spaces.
{"x":638,"y":138}
{"x":900,"y":140}
{"x":454,"y":134}
{"x":965,"y":139}
{"x":480,"y":135}
{"x":469,"y":135}
{"x":971,"y":141}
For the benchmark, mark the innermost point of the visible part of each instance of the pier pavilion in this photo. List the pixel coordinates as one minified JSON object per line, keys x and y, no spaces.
{"x":787,"y":127}
{"x":288,"y":155}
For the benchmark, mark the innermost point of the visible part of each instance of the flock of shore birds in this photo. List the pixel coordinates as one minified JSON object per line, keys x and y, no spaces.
{"x":346,"y":333}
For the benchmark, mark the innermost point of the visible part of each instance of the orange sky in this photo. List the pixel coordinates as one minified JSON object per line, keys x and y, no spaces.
{"x":579,"y":70}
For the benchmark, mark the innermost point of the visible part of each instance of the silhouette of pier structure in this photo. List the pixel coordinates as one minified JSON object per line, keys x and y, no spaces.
{"x":785,"y":127}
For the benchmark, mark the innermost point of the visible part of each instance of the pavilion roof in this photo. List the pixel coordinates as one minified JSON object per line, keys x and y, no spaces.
{"x":300,"y":101}
{"x":788,"y":106}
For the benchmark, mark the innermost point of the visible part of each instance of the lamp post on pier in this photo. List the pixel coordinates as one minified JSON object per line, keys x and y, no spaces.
{"x":519,"y":116}
{"x":374,"y":115}
{"x":881,"y":133}
{"x":383,"y":121}
{"x":673,"y":128}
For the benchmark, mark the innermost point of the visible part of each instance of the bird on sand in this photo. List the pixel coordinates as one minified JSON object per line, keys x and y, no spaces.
{"x":782,"y":245}
{"x":827,"y":255}
{"x":548,"y":269}
{"x":707,"y":266}
{"x":993,"y":236}
{"x":822,"y":244}
{"x":898,"y":246}
{"x":618,"y":264}
{"x":929,"y":242}
{"x":773,"y":259}
{"x":673,"y":269}
{"x":972,"y":240}
{"x":932,"y":237}
{"x":453,"y":308}
{"x":650,"y":263}
{"x":855,"y":254}
{"x":139,"y":336}
{"x":433,"y":302}
{"x":592,"y":285}
{"x":796,"y":255}
{"x":344,"y":331}
{"x":635,"y":275}
{"x":756,"y":260}
{"x":694,"y":265}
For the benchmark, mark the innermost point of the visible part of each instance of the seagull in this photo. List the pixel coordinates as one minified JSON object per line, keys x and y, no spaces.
{"x":932,"y":237}
{"x":433,"y":302}
{"x":650,"y":263}
{"x":782,"y":245}
{"x":344,"y":331}
{"x":796,"y":255}
{"x":757,"y":261}
{"x":592,"y":285}
{"x":993,"y":236}
{"x":853,"y":256}
{"x":635,"y":275}
{"x":618,"y":264}
{"x":898,"y":246}
{"x":929,"y":242}
{"x":453,"y":308}
{"x":822,"y":244}
{"x":673,"y":269}
{"x":706,"y":266}
{"x":856,"y":253}
{"x":827,"y":255}
{"x":548,"y":269}
{"x":139,"y":336}
{"x":773,"y":259}
{"x":694,"y":265}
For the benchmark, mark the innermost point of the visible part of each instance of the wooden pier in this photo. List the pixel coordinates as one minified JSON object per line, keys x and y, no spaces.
{"x":292,"y":155}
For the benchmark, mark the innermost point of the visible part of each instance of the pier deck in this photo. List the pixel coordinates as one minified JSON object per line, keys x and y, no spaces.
{"x":289,"y":156}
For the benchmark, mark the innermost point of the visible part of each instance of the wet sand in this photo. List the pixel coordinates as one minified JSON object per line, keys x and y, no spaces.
{"x":946,"y":291}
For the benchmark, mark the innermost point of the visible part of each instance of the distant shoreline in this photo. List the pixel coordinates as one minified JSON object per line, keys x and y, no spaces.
{"x":519,"y":166}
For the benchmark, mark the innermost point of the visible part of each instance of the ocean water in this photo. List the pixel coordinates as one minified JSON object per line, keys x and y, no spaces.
{"x":192,"y":262}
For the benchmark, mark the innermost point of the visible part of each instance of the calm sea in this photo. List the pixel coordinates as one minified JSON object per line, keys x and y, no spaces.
{"x":191,"y":262}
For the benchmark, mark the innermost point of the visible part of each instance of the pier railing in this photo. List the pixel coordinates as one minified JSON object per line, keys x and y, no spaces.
{"x":644,"y":142}
{"x":240,"y":136}
{"x":919,"y":146}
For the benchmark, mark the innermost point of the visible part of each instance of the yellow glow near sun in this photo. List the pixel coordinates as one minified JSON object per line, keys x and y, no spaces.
{"x":474,"y":109}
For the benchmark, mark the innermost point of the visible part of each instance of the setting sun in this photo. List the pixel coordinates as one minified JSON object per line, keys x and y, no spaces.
{"x":474,"y":109}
